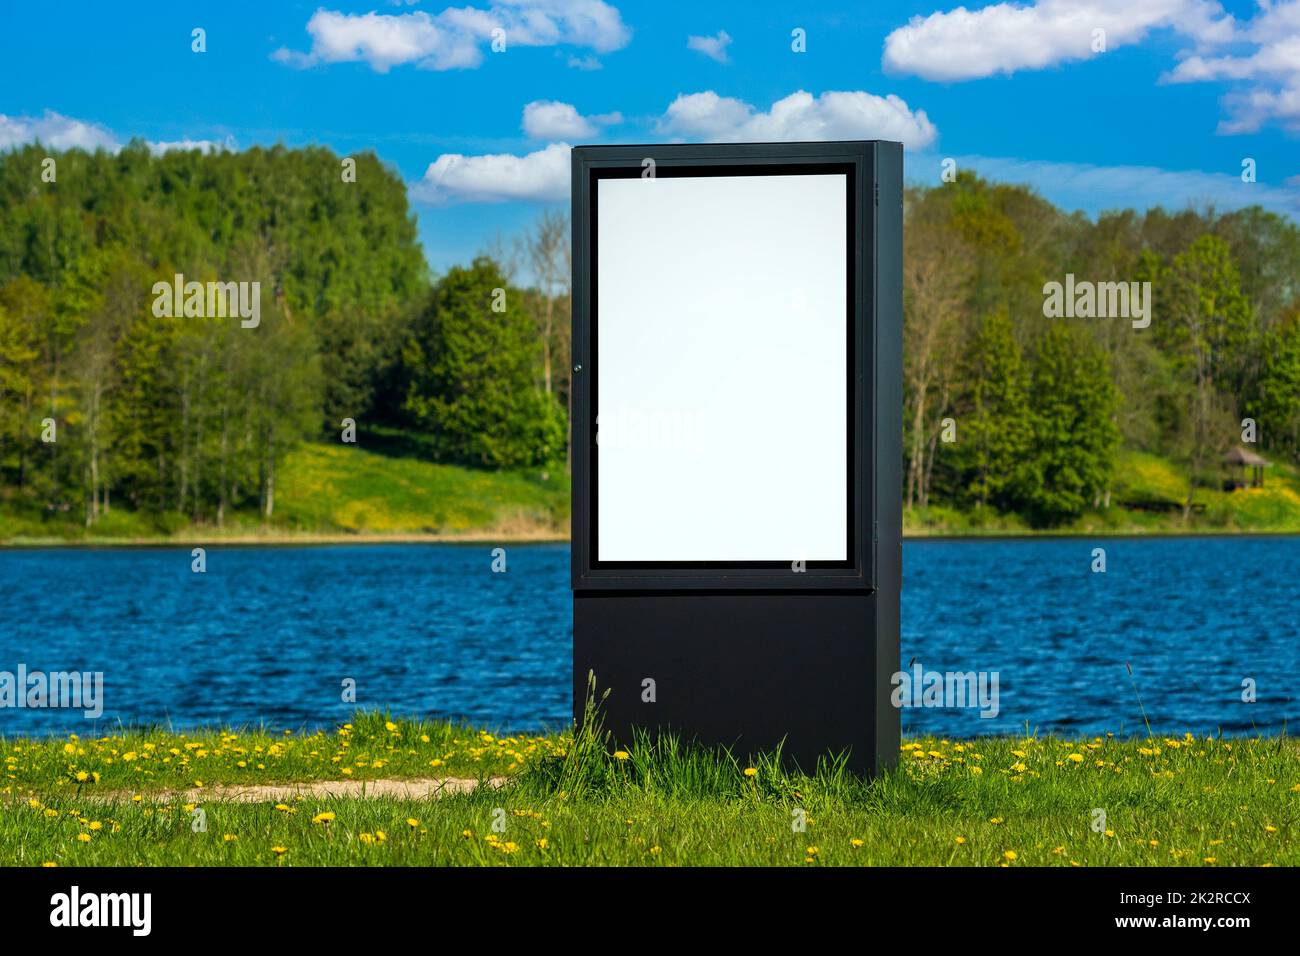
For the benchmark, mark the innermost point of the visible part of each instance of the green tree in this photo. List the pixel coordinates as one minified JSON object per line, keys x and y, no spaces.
{"x":1074,"y":434}
{"x":24,"y":304}
{"x":1278,"y":406}
{"x":1205,"y":324}
{"x":995,"y":427}
{"x":473,"y":374}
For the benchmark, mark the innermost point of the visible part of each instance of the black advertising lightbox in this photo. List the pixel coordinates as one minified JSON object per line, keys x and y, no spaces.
{"x":737,"y":325}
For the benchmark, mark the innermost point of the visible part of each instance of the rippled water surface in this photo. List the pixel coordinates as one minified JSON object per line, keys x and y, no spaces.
{"x":268,"y":635}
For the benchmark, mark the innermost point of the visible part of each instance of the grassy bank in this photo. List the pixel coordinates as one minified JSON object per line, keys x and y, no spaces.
{"x":343,"y":493}
{"x":987,"y":802}
{"x":1146,"y":498}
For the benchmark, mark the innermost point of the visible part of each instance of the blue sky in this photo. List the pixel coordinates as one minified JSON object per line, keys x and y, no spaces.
{"x":1184,"y":91}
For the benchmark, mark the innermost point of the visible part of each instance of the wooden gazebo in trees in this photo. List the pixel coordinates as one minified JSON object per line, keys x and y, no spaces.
{"x":1247,"y":461}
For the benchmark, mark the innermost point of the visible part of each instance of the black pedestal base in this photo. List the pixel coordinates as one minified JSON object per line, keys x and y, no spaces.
{"x":746,"y":671}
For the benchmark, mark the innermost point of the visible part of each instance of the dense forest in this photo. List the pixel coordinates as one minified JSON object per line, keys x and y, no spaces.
{"x":1039,"y":406}
{"x":108,"y":401}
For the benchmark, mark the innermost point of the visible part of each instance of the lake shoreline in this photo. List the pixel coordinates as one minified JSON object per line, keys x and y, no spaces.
{"x":333,"y":539}
{"x":290,"y":540}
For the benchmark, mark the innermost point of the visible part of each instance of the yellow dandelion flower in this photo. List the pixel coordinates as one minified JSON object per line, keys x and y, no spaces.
{"x":412,"y":822}
{"x":324,"y":817}
{"x":995,"y":820}
{"x":751,"y":771}
{"x":656,"y":850}
{"x":82,"y":776}
{"x":83,"y":837}
{"x":380,"y":836}
{"x":49,"y":863}
{"x":229,"y":837}
{"x":960,"y":840}
{"x":1009,"y":854}
{"x":1075,"y":758}
{"x":855,"y":842}
{"x":812,"y":851}
{"x":1269,"y":828}
{"x":543,"y":843}
{"x":621,"y":755}
{"x":279,"y":850}
{"x":95,"y":825}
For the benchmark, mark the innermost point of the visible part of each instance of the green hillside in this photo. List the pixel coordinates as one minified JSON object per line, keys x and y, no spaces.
{"x":329,"y":488}
{"x":347,"y":492}
{"x":1147,"y":495}
{"x":337,"y":491}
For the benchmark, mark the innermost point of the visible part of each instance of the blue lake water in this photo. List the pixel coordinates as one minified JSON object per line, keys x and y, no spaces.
{"x":268,"y":635}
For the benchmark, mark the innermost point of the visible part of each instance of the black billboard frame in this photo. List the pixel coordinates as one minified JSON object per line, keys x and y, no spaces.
{"x":634,"y":620}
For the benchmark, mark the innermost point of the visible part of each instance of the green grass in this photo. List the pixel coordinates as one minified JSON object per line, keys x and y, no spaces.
{"x":341,"y":488}
{"x":991,"y":801}
{"x":354,"y":492}
{"x":342,"y":491}
{"x":1143,"y":478}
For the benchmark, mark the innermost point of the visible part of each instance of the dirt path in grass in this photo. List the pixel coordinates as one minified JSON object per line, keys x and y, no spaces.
{"x":421,"y":789}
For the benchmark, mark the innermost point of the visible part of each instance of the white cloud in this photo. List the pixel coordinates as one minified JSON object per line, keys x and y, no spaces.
{"x":715,"y":48}
{"x":456,"y":37}
{"x":1004,"y":37}
{"x":586,"y":63}
{"x":184,"y":145}
{"x":551,"y":120}
{"x":1095,"y":189}
{"x":56,"y":131}
{"x":1268,"y":79}
{"x":65,"y":132}
{"x":541,"y":176}
{"x":1259,"y":57}
{"x":799,"y":116}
